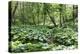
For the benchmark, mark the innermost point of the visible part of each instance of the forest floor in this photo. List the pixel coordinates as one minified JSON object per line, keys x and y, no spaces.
{"x":41,"y":38}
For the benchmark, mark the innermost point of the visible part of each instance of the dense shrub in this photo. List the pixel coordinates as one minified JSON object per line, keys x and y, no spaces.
{"x":65,"y":36}
{"x":39,"y":38}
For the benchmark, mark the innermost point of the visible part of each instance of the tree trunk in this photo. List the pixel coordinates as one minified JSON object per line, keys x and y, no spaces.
{"x":75,"y":13}
{"x":16,"y":5}
{"x":60,"y":20}
{"x":13,"y":14}
{"x":44,"y":13}
{"x":64,"y":16}
{"x":61,"y":16}
{"x":52,"y":18}
{"x":38,"y":14}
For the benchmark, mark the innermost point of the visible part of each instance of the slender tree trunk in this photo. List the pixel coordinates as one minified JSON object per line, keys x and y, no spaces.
{"x":16,"y":5}
{"x":43,"y":19}
{"x":60,"y":20}
{"x":61,"y":16}
{"x":38,"y":20}
{"x":33,"y":15}
{"x":52,"y":18}
{"x":34,"y":19}
{"x":64,"y":16}
{"x":13,"y":14}
{"x":38,"y":14}
{"x":75,"y":13}
{"x":44,"y":13}
{"x":23,"y":15}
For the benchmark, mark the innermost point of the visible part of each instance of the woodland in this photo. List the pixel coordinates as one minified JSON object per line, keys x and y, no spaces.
{"x":35,"y":26}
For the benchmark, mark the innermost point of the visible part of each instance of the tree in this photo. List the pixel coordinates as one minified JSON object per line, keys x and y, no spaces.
{"x":75,"y":13}
{"x":48,"y":12}
{"x":60,"y":10}
{"x":14,"y":11}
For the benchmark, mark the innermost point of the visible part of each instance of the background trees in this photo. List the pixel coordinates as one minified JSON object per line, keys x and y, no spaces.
{"x":42,"y":13}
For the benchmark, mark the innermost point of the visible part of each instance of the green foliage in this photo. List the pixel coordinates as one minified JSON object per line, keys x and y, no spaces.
{"x":65,"y":36}
{"x":38,"y":38}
